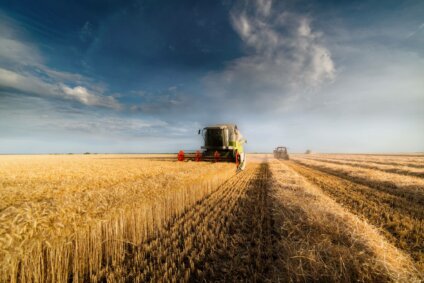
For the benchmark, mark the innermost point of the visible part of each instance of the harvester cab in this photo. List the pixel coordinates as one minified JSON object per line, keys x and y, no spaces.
{"x":222,"y":142}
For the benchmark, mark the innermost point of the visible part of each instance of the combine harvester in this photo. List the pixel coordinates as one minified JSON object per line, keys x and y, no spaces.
{"x":222,"y":142}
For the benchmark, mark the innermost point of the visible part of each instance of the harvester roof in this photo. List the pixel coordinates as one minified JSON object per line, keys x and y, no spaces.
{"x":222,"y":126}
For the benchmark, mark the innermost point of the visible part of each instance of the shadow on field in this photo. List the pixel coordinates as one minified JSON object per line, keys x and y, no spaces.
{"x":247,"y":252}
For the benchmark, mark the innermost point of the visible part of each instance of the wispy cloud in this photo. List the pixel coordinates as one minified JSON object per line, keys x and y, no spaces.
{"x":284,"y":56}
{"x":86,"y":97}
{"x":14,"y":52}
{"x":420,"y":27}
{"x":112,"y":125}
{"x":86,"y":32}
{"x":36,"y":116}
{"x":161,"y":102}
{"x":23,"y":70}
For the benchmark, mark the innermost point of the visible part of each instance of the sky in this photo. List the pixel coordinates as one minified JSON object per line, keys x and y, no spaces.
{"x":143,"y":76}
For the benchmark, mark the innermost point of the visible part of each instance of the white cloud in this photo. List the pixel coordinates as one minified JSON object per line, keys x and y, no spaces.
{"x":60,"y":75}
{"x":26,"y":83}
{"x":264,"y":7}
{"x":33,"y":85}
{"x":86,"y":97}
{"x":284,"y":57}
{"x":22,"y":69}
{"x":15,"y":52}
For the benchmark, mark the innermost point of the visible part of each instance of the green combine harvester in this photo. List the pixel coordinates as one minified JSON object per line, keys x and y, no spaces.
{"x":222,"y":142}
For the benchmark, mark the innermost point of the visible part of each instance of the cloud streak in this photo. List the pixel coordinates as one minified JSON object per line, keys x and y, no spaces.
{"x":86,"y":97}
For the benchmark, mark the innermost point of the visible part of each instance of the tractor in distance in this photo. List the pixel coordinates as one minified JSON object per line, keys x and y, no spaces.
{"x":222,"y":142}
{"x":281,"y":153}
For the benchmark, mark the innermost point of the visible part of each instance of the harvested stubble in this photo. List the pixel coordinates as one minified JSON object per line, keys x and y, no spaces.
{"x":408,"y":187}
{"x":321,"y":241}
{"x":67,"y":217}
{"x":401,"y":220}
{"x":416,"y":161}
{"x":398,"y":169}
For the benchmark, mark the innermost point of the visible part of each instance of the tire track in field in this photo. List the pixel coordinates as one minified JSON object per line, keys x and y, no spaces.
{"x":401,"y":221}
{"x":228,"y":236}
{"x":252,"y":255}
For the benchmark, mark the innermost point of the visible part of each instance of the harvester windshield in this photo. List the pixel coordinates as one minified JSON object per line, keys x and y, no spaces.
{"x":214,"y":137}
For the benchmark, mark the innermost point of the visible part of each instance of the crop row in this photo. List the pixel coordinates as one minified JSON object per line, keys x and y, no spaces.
{"x":398,"y":160}
{"x":408,"y":187}
{"x":400,"y":220}
{"x":398,"y":169}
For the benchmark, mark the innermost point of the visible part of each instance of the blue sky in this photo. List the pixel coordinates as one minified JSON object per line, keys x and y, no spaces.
{"x":143,"y":76}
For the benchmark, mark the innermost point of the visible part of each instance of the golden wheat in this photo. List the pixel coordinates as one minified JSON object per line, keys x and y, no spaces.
{"x":69,"y":216}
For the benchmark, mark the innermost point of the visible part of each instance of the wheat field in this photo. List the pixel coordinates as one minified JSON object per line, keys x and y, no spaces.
{"x":149,"y":218}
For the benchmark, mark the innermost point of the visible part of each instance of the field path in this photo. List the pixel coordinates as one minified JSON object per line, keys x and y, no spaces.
{"x":400,"y":220}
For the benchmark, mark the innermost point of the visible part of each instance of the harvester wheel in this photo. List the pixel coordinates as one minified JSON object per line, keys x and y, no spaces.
{"x":237,"y":159}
